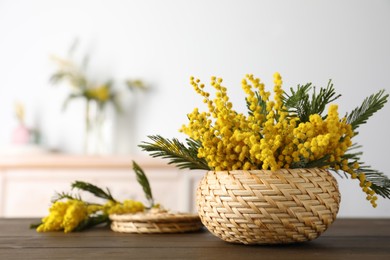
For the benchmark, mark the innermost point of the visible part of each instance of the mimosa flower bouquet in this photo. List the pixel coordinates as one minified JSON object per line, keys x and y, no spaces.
{"x":268,"y":174}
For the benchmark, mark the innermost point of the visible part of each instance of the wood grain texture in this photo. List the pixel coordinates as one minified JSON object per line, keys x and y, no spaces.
{"x":346,"y":238}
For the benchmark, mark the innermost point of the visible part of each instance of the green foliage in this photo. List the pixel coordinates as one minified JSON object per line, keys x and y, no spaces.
{"x":261,"y":103}
{"x":69,"y":98}
{"x":380,"y":182}
{"x":144,"y":182}
{"x":302,"y":104}
{"x":65,"y":195}
{"x":183,"y":156}
{"x":370,"y":105}
{"x":74,"y":77}
{"x":74,"y":72}
{"x":95,"y":190}
{"x":35,"y":225}
{"x":136,"y":84}
{"x":322,"y":162}
{"x":92,"y":221}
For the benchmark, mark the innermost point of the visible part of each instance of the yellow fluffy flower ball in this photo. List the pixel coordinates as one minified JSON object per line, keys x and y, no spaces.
{"x":64,"y":216}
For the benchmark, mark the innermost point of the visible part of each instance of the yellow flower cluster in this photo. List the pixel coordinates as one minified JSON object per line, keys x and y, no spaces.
{"x":268,"y":137}
{"x":128,"y":206}
{"x":101,"y":93}
{"x":67,"y":215}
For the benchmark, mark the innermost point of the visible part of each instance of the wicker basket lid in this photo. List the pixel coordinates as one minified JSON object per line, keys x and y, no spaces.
{"x":155,"y":215}
{"x":155,"y":221}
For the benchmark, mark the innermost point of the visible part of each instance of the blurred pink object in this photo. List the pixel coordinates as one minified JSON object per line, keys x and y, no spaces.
{"x":21,"y":135}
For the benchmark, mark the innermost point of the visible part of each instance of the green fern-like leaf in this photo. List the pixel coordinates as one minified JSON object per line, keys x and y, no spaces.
{"x":301,"y":103}
{"x":370,"y":105}
{"x":57,"y":77}
{"x":184,"y":157}
{"x":322,"y":162}
{"x":380,"y":182}
{"x":260,"y":102}
{"x":92,"y":221}
{"x":296,"y":100}
{"x":68,"y":99}
{"x":95,"y":190}
{"x":144,"y":182}
{"x":64,"y":195}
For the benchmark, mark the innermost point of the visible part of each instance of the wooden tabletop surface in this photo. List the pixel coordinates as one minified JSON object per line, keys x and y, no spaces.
{"x":345,"y":239}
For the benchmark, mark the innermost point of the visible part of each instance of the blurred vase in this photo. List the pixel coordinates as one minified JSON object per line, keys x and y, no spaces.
{"x":97,"y":129}
{"x":21,"y":135}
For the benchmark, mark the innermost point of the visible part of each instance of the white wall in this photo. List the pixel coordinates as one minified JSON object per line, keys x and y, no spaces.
{"x":165,"y":42}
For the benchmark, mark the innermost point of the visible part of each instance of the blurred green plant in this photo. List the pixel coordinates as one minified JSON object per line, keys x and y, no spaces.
{"x":97,"y":94}
{"x":103,"y":93}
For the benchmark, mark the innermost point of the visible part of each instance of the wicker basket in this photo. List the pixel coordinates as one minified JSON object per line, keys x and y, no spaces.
{"x":265,"y":207}
{"x":155,"y":222}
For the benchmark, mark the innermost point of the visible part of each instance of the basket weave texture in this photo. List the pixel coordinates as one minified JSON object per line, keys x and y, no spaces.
{"x":266,"y":207}
{"x":155,"y":222}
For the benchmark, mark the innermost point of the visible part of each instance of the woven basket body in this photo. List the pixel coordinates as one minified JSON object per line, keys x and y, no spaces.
{"x":265,"y":207}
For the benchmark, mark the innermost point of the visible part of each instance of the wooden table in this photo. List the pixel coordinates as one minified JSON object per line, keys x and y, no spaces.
{"x":345,"y":239}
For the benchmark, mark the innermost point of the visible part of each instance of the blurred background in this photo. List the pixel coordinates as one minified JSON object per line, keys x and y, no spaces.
{"x":160,"y":44}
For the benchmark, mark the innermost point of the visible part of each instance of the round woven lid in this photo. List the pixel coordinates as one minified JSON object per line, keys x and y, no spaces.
{"x":155,"y":221}
{"x":157,"y":216}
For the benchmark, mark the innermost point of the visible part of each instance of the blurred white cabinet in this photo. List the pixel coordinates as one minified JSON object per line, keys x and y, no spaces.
{"x":27,"y":184}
